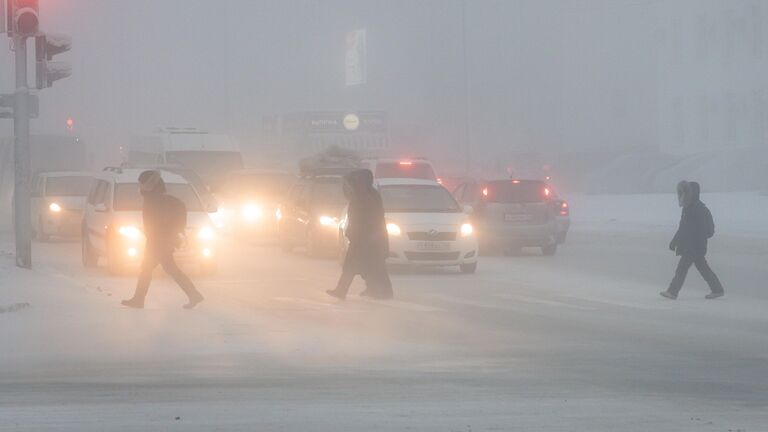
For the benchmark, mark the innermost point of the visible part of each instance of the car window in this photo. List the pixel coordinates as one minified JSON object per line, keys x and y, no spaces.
{"x":100,"y":193}
{"x":515,"y":191}
{"x":68,"y":186}
{"x":128,"y":197}
{"x":416,"y":170}
{"x":418,"y":199}
{"x":328,"y":191}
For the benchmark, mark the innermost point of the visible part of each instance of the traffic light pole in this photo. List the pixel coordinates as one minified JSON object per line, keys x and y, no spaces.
{"x":21,"y":200}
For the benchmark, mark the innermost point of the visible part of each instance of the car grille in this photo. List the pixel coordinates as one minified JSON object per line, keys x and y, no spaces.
{"x":425,"y":236}
{"x":432,"y":256}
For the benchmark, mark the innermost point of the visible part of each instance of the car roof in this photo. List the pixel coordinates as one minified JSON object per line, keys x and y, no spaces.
{"x":131,"y":175}
{"x":68,"y":174}
{"x":406,"y":182}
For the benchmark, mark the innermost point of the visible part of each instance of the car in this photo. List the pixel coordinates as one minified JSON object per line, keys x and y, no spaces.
{"x":112,"y":224}
{"x":417,"y":168}
{"x":511,"y":213}
{"x":426,"y":226}
{"x":58,"y":201}
{"x":249,"y":199}
{"x":309,"y":216}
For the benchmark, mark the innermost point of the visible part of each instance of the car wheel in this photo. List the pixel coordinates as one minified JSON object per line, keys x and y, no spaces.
{"x":468,"y":268}
{"x":549,"y":250}
{"x":90,"y":259}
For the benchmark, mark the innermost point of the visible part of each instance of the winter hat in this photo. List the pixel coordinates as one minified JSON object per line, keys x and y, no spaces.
{"x":151,"y":182}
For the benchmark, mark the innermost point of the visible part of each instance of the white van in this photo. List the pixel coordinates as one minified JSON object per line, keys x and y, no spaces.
{"x":211,"y":156}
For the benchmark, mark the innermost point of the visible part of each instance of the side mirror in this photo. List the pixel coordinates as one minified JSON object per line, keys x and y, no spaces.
{"x":100,"y":208}
{"x":468,"y":209}
{"x":212,"y":208}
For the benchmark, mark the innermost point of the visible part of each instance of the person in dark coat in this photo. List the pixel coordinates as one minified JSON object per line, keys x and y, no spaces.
{"x":368,"y":239}
{"x":164,"y":223}
{"x":690,"y":241}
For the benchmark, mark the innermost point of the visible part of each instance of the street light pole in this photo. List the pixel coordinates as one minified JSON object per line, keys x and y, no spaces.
{"x":467,"y":100}
{"x":21,"y":157}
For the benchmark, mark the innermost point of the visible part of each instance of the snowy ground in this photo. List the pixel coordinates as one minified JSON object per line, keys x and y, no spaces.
{"x":577,"y":342}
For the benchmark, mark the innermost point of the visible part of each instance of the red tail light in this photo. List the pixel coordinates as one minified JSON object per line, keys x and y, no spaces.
{"x":547,"y":192}
{"x":406,"y":163}
{"x":485,"y":192}
{"x":564,"y":210}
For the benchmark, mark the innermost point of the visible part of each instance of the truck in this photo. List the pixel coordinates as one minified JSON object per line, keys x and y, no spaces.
{"x":211,"y":156}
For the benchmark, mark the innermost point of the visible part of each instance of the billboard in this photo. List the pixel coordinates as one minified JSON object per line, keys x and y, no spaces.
{"x":355,"y":58}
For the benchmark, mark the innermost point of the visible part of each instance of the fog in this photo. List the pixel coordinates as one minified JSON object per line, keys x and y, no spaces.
{"x":536,"y":167}
{"x":616,"y":77}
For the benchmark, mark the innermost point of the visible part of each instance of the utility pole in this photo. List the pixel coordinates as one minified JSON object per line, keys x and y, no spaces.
{"x":22,"y":23}
{"x":467,"y":99}
{"x":21,"y":201}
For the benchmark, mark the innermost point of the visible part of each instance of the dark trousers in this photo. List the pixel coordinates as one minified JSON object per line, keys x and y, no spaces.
{"x":376,"y":278}
{"x":702,"y":266}
{"x":165,"y":259}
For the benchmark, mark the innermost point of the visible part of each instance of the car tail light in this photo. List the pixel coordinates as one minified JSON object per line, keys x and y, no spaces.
{"x":485,"y":192}
{"x":564,"y":209}
{"x":547,"y":192}
{"x":406,"y":163}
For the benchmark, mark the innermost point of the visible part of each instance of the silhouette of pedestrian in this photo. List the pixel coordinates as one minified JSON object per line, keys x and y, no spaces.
{"x":368,"y":239}
{"x":165,"y":219}
{"x":690,"y":241}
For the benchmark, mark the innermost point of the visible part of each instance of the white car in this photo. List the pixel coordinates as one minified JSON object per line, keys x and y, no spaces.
{"x":58,"y":200}
{"x":426,"y":226}
{"x":112,"y":225}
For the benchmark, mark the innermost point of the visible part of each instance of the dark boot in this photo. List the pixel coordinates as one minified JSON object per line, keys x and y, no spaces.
{"x":336,"y":293}
{"x":714,"y":295}
{"x":193,"y":301}
{"x":669,"y":295}
{"x":133,"y":303}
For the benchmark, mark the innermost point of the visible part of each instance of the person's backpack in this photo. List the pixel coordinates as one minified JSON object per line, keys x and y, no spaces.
{"x":709,"y":224}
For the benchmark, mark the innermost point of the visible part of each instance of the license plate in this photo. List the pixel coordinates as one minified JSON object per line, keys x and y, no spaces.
{"x":433,"y":246}
{"x":517,"y":217}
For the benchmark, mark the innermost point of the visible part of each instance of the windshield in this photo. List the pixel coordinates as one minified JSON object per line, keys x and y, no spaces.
{"x":68,"y":186}
{"x":128,"y":197}
{"x":208,"y":164}
{"x":519,"y":192}
{"x":328,"y":192}
{"x":418,"y":199}
{"x":405,"y":170}
{"x":272,"y":185}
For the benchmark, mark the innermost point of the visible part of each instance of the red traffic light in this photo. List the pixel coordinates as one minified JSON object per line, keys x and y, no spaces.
{"x":24,"y":14}
{"x":70,"y":124}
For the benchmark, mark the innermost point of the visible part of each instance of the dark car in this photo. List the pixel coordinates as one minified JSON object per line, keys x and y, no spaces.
{"x":309,"y":216}
{"x":512,"y":213}
{"x":249,"y":199}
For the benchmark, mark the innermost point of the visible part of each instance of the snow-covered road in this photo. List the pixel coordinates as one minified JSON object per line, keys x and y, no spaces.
{"x":581,"y":341}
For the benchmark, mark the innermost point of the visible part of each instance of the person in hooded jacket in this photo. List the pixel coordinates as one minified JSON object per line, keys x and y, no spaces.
{"x":690,"y":241}
{"x":164,"y":219}
{"x":368,"y":239}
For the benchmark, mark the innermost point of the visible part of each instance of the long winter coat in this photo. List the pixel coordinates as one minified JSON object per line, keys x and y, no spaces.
{"x":696,"y":223}
{"x":366,"y":229}
{"x":164,"y":219}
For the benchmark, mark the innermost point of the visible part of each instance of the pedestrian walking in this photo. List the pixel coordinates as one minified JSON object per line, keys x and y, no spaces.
{"x":690,"y":241}
{"x":368,"y":239}
{"x":165,"y":220}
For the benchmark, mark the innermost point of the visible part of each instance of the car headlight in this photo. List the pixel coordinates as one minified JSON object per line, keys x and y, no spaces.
{"x":130,"y":232}
{"x":393,"y":229}
{"x":252,"y":212}
{"x":54,"y":207}
{"x":206,"y":233}
{"x":329,"y":221}
{"x":278,"y":215}
{"x":466,"y":229}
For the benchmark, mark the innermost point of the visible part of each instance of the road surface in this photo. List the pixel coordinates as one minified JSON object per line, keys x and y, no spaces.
{"x":581,"y":341}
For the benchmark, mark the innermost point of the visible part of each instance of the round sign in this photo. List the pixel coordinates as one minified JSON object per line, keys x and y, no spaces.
{"x":351,"y":122}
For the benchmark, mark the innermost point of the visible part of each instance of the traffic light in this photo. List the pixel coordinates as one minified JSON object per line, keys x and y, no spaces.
{"x":47,"y":71}
{"x":70,"y":124}
{"x":22,"y":16}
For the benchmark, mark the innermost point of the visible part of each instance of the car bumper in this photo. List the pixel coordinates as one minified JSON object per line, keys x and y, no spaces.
{"x":518,"y":235}
{"x":451,"y":253}
{"x":66,"y":223}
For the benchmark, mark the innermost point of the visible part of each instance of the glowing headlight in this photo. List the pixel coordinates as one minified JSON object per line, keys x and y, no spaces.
{"x":278,"y":215}
{"x":130,"y":232}
{"x":251,"y":212}
{"x":393,"y":229}
{"x":206,"y":233}
{"x":467,"y":229}
{"x":54,"y":207}
{"x":329,"y":221}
